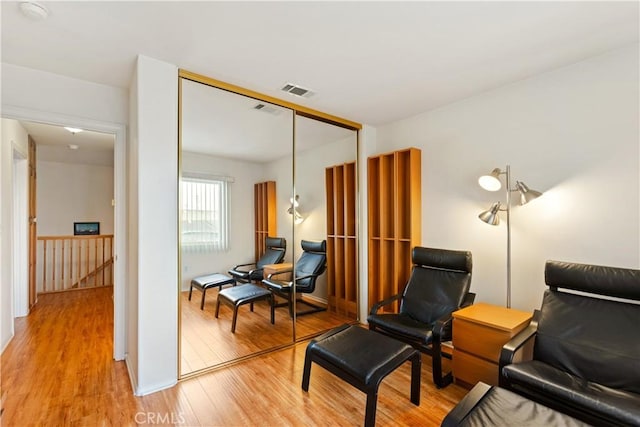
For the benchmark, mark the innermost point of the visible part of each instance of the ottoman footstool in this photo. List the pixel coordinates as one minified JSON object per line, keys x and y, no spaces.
{"x":244,"y":294}
{"x":209,"y":281}
{"x":485,"y":405}
{"x":363,"y":359}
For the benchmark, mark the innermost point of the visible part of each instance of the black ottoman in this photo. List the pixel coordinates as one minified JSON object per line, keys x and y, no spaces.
{"x":362,"y":358}
{"x":209,"y":281}
{"x":243,"y":294}
{"x":485,"y":405}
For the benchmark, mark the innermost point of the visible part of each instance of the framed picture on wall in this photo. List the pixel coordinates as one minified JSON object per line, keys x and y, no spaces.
{"x":86,"y":228}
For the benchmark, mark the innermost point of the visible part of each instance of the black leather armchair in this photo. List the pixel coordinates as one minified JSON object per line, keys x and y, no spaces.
{"x":439,"y":285}
{"x":274,"y":254}
{"x":584,"y":349}
{"x":311,"y":264}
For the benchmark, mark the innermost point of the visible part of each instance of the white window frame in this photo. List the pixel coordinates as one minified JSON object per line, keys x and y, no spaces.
{"x":206,"y":197}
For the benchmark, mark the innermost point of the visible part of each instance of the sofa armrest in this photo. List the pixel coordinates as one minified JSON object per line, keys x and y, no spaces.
{"x":518,"y":343}
{"x":439,"y":333}
{"x":378,"y":305}
{"x":469,"y":299}
{"x":243,"y":265}
{"x":286,"y":270}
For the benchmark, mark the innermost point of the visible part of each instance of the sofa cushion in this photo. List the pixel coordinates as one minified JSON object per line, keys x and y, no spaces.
{"x":618,"y":405}
{"x":592,"y":339}
{"x":403,"y":325}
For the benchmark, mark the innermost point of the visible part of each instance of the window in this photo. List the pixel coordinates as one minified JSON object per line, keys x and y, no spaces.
{"x":204,"y":214}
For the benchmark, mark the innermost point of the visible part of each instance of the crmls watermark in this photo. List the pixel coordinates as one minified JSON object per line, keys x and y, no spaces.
{"x":159,"y":418}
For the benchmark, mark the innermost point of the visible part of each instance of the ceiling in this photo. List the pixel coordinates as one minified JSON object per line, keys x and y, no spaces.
{"x":371,"y":62}
{"x":54,"y":144}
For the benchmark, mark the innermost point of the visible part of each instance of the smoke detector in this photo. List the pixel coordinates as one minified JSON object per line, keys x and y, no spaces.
{"x":33,"y":10}
{"x":297,"y":90}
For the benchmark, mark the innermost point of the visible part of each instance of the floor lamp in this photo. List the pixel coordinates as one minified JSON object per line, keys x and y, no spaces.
{"x":492,"y":182}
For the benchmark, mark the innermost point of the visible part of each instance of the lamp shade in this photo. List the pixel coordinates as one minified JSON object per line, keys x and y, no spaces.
{"x":491,"y":182}
{"x":526,"y":194}
{"x":491,"y":216}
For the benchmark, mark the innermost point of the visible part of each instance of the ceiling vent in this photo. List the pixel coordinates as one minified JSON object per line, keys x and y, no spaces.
{"x":297,"y":90}
{"x":267,"y":108}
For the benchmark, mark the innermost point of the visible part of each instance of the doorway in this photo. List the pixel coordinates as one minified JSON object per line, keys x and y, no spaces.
{"x":118,"y":132}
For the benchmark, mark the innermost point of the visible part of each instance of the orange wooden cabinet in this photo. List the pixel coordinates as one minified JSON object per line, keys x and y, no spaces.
{"x":342,"y":251}
{"x":479,"y":332}
{"x":394,"y":216}
{"x":265,"y":214}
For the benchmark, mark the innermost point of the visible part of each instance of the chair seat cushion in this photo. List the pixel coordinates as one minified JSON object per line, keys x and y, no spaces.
{"x":363,"y":354}
{"x":539,"y":377}
{"x":244,"y":294}
{"x":403,"y":325}
{"x":211,"y":280}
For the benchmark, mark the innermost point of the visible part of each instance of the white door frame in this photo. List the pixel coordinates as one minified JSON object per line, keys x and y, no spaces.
{"x":20,"y":271}
{"x":120,"y":195}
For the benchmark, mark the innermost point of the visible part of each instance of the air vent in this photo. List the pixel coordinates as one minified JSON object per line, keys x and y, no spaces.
{"x":267,"y":108}
{"x":297,"y":90}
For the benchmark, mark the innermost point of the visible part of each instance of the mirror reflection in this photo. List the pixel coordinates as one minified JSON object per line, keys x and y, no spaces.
{"x":326,"y":204}
{"x":252,"y":237}
{"x":234,"y":142}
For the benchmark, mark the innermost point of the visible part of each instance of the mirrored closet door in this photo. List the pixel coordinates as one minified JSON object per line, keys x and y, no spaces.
{"x":238,"y":154}
{"x":325,"y":186}
{"x":244,"y":147}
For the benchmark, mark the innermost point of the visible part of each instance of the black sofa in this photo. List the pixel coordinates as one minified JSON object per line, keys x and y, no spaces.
{"x":585,"y":348}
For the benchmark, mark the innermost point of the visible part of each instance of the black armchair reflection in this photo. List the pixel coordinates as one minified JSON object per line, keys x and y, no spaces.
{"x":274,"y":254}
{"x":311,"y":264}
{"x":439,"y":285}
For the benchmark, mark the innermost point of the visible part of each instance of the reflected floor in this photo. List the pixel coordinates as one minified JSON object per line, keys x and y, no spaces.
{"x":207,"y":341}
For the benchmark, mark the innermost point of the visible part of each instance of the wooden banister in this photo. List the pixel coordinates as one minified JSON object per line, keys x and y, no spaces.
{"x":74,"y":262}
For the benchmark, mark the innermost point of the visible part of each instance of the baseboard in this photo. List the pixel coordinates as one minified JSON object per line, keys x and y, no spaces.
{"x":315,"y":299}
{"x":132,"y":377}
{"x":155,"y":388}
{"x":137,"y":391}
{"x":4,"y":347}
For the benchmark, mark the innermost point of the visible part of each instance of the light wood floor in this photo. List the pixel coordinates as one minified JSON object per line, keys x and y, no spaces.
{"x":207,"y":341}
{"x":58,"y":371}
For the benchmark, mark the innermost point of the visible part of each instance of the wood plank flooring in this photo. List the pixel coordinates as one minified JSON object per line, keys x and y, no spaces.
{"x":207,"y":341}
{"x":58,"y":371}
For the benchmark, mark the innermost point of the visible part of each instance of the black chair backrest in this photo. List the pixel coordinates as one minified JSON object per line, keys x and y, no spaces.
{"x":274,"y":253}
{"x":594,"y":279}
{"x":312,"y":262}
{"x":580,"y":333}
{"x":440,"y":280}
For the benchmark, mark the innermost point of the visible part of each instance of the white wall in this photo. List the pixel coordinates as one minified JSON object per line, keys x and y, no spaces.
{"x":367,"y":146}
{"x":132,"y":300}
{"x":153,"y":170}
{"x":241,"y":219}
{"x":44,"y":91}
{"x":68,"y":193}
{"x":572,"y":133}
{"x":310,"y":186}
{"x":14,"y":137}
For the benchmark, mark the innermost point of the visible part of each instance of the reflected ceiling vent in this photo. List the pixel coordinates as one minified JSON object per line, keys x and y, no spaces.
{"x":267,"y":108}
{"x":297,"y":90}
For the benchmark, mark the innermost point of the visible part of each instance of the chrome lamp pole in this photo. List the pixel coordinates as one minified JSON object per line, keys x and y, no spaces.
{"x":492,"y":182}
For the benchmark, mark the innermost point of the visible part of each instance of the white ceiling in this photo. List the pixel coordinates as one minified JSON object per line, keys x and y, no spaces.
{"x":372,"y":62}
{"x":53,"y":143}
